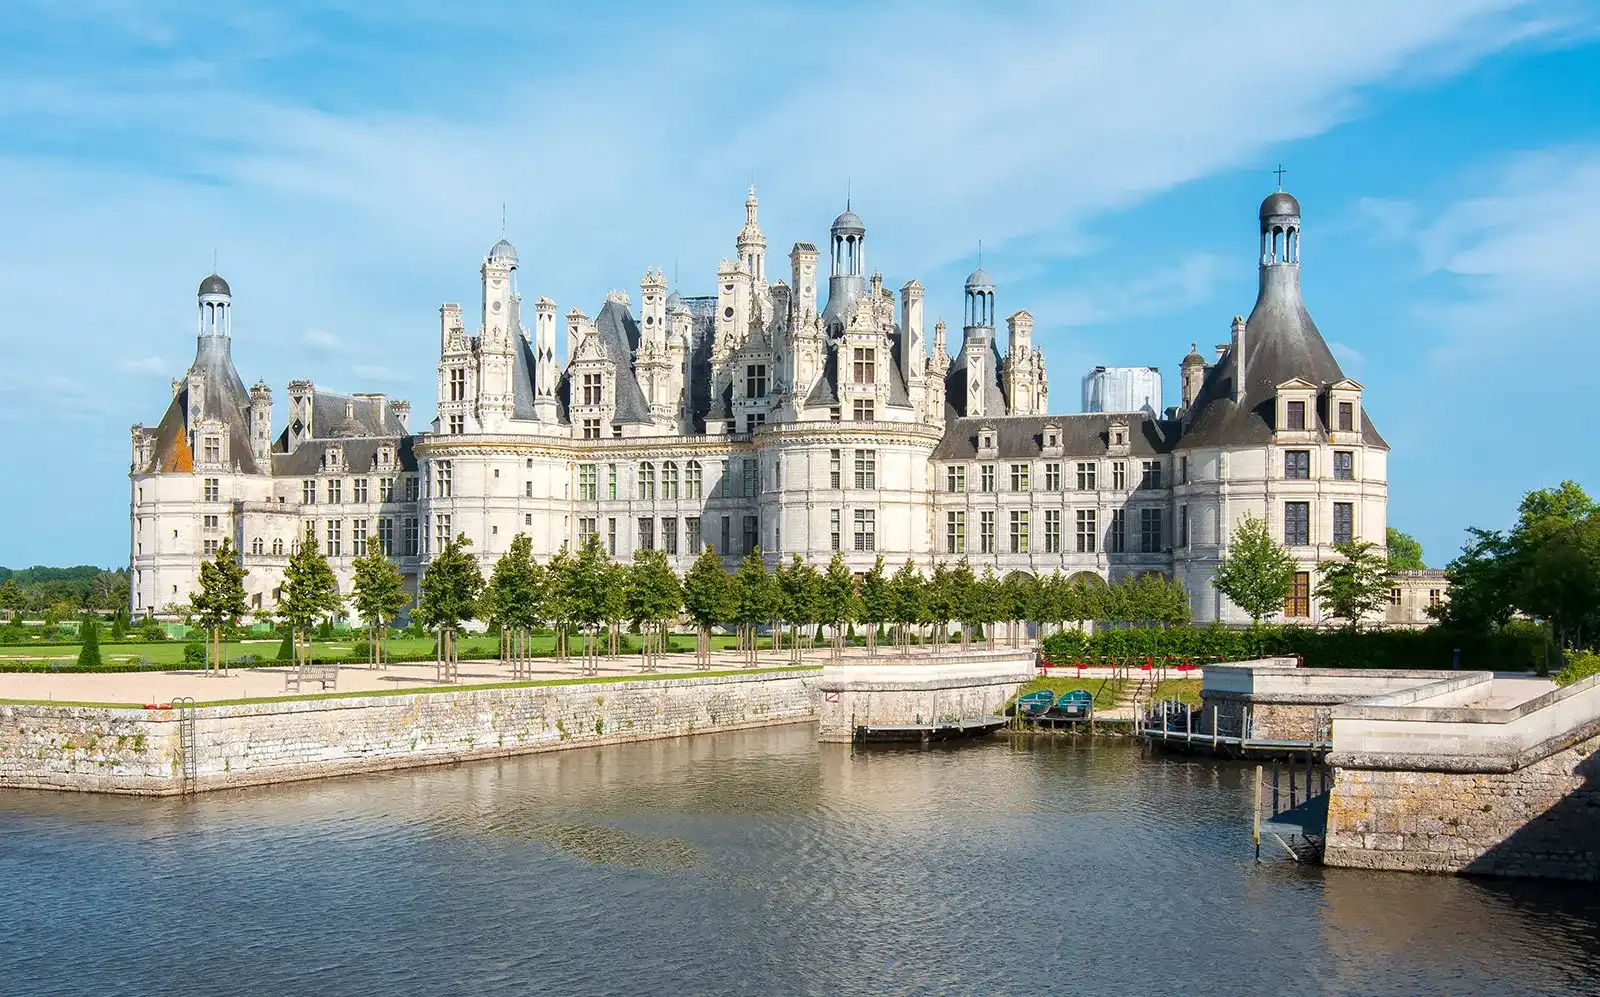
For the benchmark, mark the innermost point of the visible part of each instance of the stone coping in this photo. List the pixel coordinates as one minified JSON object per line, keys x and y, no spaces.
{"x":1399,"y":705}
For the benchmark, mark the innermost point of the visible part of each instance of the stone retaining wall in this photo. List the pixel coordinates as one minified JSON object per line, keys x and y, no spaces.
{"x":139,"y":751}
{"x":936,"y":688}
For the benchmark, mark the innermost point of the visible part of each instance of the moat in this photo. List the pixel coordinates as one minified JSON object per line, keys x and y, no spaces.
{"x":748,"y":862}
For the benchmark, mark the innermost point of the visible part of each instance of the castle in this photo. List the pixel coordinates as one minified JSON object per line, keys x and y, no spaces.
{"x":755,"y":418}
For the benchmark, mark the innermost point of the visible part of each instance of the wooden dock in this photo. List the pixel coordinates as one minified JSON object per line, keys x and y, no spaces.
{"x":1209,"y":739}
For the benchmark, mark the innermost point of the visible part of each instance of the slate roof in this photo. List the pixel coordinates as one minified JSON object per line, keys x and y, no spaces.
{"x":955,"y":382}
{"x":225,"y":399}
{"x":619,"y":336}
{"x":1082,"y":435}
{"x":360,"y":455}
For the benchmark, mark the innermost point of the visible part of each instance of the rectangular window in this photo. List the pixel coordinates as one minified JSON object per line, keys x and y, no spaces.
{"x":591,"y":429}
{"x":587,"y":488}
{"x":409,"y":537}
{"x":1295,"y":416}
{"x":611,"y":536}
{"x":358,"y":490}
{"x":986,"y":532}
{"x":1149,"y":531}
{"x":1394,"y":597}
{"x":335,"y":528}
{"x":861,"y":410}
{"x":586,"y":526}
{"x":1019,"y":531}
{"x":413,"y":487}
{"x":986,"y":477}
{"x":866,"y":468}
{"x":1347,"y":417}
{"x":441,"y":530}
{"x":1019,"y":477}
{"x":441,"y":479}
{"x":863,"y":365}
{"x":755,"y":380}
{"x":1433,"y":597}
{"x":213,"y":450}
{"x":1297,"y":524}
{"x":751,"y":481}
{"x":1150,"y":474}
{"x":458,"y":425}
{"x":1344,"y":465}
{"x":693,"y":485}
{"x":777,"y":471}
{"x":835,"y":529}
{"x":669,"y":481}
{"x":669,"y":534}
{"x":527,"y":489}
{"x":308,"y":493}
{"x":1086,"y":475}
{"x":385,"y":489}
{"x":616,"y":430}
{"x":209,"y":524}
{"x":1344,"y":522}
{"x":1183,"y":526}
{"x":594,"y":391}
{"x":955,"y":478}
{"x":1119,"y":475}
{"x":1183,"y":470}
{"x":1052,"y":531}
{"x":833,"y":469}
{"x":1297,"y":464}
{"x":866,"y":529}
{"x":691,"y":529}
{"x":458,"y":384}
{"x":335,"y":491}
{"x":385,"y":538}
{"x":727,"y":536}
{"x":754,"y":419}
{"x":1052,"y":477}
{"x":1298,"y":604}
{"x":647,"y":534}
{"x":358,"y":537}
{"x":955,"y":532}
{"x":724,"y":487}
{"x":751,"y":534}
{"x":213,"y":490}
{"x":210,"y":547}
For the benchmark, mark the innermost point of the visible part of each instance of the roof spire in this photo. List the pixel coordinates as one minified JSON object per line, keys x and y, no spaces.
{"x":1280,"y":171}
{"x":980,"y":254}
{"x":847,"y":194}
{"x":502,"y":219}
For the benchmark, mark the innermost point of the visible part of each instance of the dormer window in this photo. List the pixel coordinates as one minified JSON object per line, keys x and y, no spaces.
{"x":1294,"y":416}
{"x":1049,"y":439}
{"x":1347,"y":417}
{"x":593,"y":389}
{"x":213,"y":450}
{"x":755,"y":380}
{"x":987,"y":442}
{"x":458,"y":384}
{"x":864,"y":365}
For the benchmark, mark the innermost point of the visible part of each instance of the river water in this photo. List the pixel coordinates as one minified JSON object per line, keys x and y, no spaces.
{"x":756,"y":862}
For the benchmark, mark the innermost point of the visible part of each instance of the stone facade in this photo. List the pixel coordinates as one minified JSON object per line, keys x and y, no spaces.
{"x":140,"y":751}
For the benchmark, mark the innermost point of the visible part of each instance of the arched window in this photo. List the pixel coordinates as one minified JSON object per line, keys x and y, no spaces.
{"x":693,"y":482}
{"x":669,"y":481}
{"x":647,"y":481}
{"x":257,"y":547}
{"x":277,"y":547}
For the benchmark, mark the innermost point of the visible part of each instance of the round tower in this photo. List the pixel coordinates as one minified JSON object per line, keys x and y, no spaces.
{"x":846,"y":281}
{"x":215,"y":307}
{"x":752,"y":245}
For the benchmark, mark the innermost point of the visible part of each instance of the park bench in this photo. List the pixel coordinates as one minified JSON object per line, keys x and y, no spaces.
{"x":322,"y":673}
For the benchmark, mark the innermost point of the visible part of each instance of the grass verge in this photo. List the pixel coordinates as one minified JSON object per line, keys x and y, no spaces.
{"x":1107,"y":692}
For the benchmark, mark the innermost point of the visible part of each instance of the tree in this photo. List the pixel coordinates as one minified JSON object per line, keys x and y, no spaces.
{"x":755,"y":593}
{"x":966,"y":602}
{"x":450,"y":589}
{"x":708,"y":599}
{"x":654,"y":596}
{"x":802,"y":598}
{"x":940,"y":602}
{"x":1256,"y":574}
{"x":987,"y":605}
{"x":219,"y":603}
{"x":13,"y":599}
{"x":614,"y":580}
{"x":558,"y":597}
{"x":310,"y":593}
{"x":378,"y":595}
{"x":876,"y":602}
{"x":840,"y":606}
{"x":1405,"y":553}
{"x":1356,"y":587}
{"x":589,"y":599}
{"x":1558,"y":576}
{"x":89,"y":636}
{"x":906,"y":593}
{"x":512,"y":600}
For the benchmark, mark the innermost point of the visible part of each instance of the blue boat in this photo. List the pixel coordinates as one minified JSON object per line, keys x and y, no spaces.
{"x":1075,"y":704}
{"x":1036,"y":704}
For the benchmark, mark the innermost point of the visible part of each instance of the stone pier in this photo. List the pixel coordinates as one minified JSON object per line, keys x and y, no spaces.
{"x":920,"y":688}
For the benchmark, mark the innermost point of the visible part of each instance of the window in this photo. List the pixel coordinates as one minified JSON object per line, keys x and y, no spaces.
{"x":751,"y":471}
{"x":986,"y":532}
{"x":527,"y":519}
{"x":955,"y":478}
{"x":441,"y":530}
{"x":213,"y":450}
{"x":669,"y":481}
{"x":955,"y":532}
{"x":669,"y":534}
{"x":863,"y":365}
{"x":358,"y":490}
{"x":1052,"y":477}
{"x":1019,"y":531}
{"x":611,"y":481}
{"x":594,"y":390}
{"x":335,"y":491}
{"x":866,"y":468}
{"x":409,"y":534}
{"x":647,"y":534}
{"x":1347,"y":417}
{"x":1295,"y":416}
{"x":611,"y":536}
{"x":754,"y":419}
{"x":835,"y":517}
{"x":1299,"y":602}
{"x":1052,"y":531}
{"x":591,"y":429}
{"x":866,"y":529}
{"x":616,"y":430}
{"x":647,"y":482}
{"x":586,"y":526}
{"x":692,"y":485}
{"x":833,"y":414}
{"x":1344,"y":465}
{"x":1149,"y":531}
{"x":751,"y":535}
{"x":1086,"y":535}
{"x":755,"y":380}
{"x":335,"y":528}
{"x":1086,"y":475}
{"x":691,"y":530}
{"x":1297,"y":464}
{"x":861,"y":410}
{"x":458,"y":425}
{"x":1183,"y":526}
{"x":1394,"y":597}
{"x":441,"y":479}
{"x":723,"y":486}
{"x":1183,"y":470}
{"x":833,"y":471}
{"x":277,"y":547}
{"x":358,"y":537}
{"x":777,"y":471}
{"x":257,"y":547}
{"x":1119,"y":475}
{"x":1150,"y":474}
{"x":413,"y":487}
{"x":727,"y":536}
{"x":1433,"y":597}
{"x":1344,"y":522}
{"x":385,"y":489}
{"x":986,"y":477}
{"x":209,"y":523}
{"x":1297,"y":524}
{"x":458,"y":384}
{"x":213,"y":490}
{"x":1019,"y":477}
{"x":527,"y":489}
{"x":308,"y":493}
{"x":385,"y":536}
{"x":210,"y":547}
{"x":586,"y":483}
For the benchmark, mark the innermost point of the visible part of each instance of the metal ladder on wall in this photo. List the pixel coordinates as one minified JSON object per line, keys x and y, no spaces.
{"x":187,"y":751}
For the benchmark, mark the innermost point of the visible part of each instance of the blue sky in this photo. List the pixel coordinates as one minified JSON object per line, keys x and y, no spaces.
{"x":348,"y":161}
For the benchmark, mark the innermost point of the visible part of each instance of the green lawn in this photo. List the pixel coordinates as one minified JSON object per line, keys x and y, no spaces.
{"x":1183,"y":690}
{"x":1107,"y":692}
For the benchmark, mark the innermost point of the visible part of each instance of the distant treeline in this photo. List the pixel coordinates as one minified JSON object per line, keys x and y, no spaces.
{"x":62,"y":592}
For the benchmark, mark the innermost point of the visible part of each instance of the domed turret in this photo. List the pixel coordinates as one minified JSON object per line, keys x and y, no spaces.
{"x":503,"y":252}
{"x":214,"y":284}
{"x":848,"y":223}
{"x":979,"y":280}
{"x":847,"y":282}
{"x":1279,"y":202}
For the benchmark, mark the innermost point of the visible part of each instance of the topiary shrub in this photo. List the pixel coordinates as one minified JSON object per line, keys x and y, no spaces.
{"x":89,"y":653}
{"x":194,"y":653}
{"x":152,"y":631}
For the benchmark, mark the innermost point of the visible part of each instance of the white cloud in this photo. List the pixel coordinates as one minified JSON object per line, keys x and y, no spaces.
{"x":151,"y":365}
{"x":1348,"y":355}
{"x":1189,"y":282}
{"x":319,"y":339}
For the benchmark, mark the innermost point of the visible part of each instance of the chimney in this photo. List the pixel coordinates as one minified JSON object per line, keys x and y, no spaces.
{"x":1238,"y":357}
{"x":402,"y":412}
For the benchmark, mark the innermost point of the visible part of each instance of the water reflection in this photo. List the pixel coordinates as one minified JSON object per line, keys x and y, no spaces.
{"x":749,"y":862}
